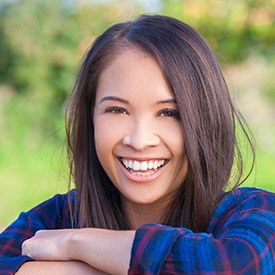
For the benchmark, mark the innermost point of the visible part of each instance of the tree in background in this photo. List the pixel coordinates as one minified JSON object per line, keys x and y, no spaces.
{"x":41,"y":45}
{"x":43,"y":41}
{"x":234,"y":28}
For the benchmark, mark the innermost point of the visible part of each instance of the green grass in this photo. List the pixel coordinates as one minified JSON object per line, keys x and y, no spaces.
{"x":28,"y":176}
{"x":263,"y":175}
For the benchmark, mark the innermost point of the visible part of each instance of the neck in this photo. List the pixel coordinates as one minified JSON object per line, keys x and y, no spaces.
{"x":139,"y":214}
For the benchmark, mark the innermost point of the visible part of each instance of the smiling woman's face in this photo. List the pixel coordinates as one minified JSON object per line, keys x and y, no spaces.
{"x":138,"y":135}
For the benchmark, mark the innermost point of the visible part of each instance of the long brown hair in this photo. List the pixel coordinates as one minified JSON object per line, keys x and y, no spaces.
{"x":207,"y":114}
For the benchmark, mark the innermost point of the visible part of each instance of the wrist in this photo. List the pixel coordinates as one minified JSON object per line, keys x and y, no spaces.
{"x":106,"y":250}
{"x":73,"y":244}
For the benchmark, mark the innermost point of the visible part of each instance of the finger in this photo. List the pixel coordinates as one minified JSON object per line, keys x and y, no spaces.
{"x":25,"y":248}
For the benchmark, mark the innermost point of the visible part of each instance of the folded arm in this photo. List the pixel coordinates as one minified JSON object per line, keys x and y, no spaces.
{"x":57,"y":268}
{"x":240,"y":239}
{"x":106,"y":250}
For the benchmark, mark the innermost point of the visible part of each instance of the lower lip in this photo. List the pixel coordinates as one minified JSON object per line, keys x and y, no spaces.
{"x":141,"y":179}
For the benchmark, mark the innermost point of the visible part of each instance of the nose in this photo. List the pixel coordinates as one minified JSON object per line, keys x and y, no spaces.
{"x":141,"y":136}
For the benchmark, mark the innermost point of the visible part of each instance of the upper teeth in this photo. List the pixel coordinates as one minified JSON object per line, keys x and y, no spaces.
{"x":142,"y":165}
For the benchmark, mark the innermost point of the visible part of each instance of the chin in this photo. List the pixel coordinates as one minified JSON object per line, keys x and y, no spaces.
{"x":144,"y":200}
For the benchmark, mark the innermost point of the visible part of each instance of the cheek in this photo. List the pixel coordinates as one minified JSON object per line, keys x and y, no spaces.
{"x":173,"y":137}
{"x":107,"y":135}
{"x":103,"y":139}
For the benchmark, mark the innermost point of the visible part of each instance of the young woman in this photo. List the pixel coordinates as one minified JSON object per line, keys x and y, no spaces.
{"x":151,"y":143}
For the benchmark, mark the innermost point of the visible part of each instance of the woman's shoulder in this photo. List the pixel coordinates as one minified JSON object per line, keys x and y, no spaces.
{"x":58,"y":201}
{"x":53,"y":212}
{"x":238,"y":203}
{"x":250,"y":191}
{"x":249,"y":195}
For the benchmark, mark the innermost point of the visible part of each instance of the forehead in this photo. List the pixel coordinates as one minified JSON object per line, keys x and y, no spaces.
{"x":129,"y":59}
{"x":133,"y":72}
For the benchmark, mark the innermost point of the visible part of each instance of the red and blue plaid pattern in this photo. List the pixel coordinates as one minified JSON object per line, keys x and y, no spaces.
{"x":240,"y":238}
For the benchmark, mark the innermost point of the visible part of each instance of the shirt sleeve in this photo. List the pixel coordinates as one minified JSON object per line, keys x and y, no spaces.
{"x":240,"y":240}
{"x":51,"y":214}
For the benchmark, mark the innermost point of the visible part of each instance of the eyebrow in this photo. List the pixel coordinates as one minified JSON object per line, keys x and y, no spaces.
{"x":114,"y":98}
{"x":170,"y":100}
{"x":119,"y":99}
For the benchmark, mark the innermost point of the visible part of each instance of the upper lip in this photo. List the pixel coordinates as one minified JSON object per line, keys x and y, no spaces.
{"x":143,"y":158}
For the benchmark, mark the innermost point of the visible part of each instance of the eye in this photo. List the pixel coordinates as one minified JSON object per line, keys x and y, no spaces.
{"x":116,"y":110}
{"x":170,"y":113}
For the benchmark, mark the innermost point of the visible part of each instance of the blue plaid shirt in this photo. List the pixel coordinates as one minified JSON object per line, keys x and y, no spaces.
{"x":240,"y":238}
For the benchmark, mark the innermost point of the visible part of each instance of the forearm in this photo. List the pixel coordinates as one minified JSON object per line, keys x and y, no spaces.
{"x":107,"y":250}
{"x":58,"y":268}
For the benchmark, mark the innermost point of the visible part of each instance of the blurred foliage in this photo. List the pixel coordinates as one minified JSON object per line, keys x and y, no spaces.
{"x":233,"y":28}
{"x":41,"y":46}
{"x":42,"y":41}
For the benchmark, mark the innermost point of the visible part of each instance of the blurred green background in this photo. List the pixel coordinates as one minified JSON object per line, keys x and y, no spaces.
{"x":41,"y":46}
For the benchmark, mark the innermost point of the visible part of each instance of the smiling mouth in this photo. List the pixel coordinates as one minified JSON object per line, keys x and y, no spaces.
{"x":143,"y":168}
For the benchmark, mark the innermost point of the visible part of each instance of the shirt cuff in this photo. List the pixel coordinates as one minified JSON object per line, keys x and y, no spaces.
{"x":10,"y":265}
{"x":152,"y":245}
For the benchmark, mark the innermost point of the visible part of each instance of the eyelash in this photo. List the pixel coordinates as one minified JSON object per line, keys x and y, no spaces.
{"x":169,"y":113}
{"x":164,"y":113}
{"x":116,"y":110}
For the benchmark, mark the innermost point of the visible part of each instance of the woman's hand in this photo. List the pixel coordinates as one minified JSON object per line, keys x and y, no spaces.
{"x":106,"y":250}
{"x":49,"y":245}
